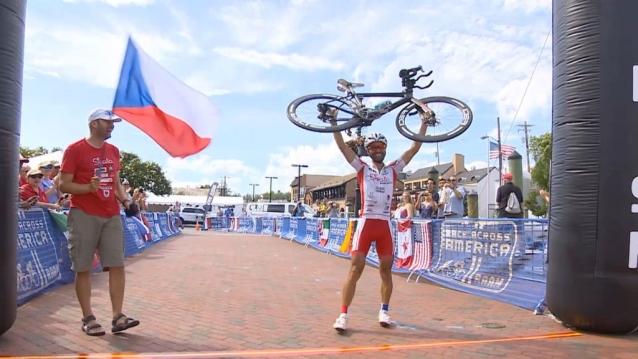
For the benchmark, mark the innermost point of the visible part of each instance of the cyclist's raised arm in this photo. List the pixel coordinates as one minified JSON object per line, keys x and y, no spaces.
{"x":348,"y":153}
{"x":416,"y":145}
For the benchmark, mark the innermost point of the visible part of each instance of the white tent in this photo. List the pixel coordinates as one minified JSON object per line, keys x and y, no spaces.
{"x":53,"y":156}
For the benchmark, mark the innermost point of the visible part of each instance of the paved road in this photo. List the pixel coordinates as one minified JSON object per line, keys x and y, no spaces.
{"x":234,"y":295}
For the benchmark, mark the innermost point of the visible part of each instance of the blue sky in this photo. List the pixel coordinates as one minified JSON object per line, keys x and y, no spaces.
{"x":254,"y":57}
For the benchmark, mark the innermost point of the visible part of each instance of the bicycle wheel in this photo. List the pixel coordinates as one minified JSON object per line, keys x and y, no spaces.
{"x":304,"y":109}
{"x":451,"y":119}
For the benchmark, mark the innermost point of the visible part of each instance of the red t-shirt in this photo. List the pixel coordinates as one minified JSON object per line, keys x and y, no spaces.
{"x":83,"y":161}
{"x":26,"y":192}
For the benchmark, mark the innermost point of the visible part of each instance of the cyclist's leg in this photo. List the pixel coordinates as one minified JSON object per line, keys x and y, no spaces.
{"x":385,"y":250}
{"x":361,"y":241}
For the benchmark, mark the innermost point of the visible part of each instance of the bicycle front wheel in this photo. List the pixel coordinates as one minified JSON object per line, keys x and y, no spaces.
{"x":309,"y":113}
{"x":451,"y":119}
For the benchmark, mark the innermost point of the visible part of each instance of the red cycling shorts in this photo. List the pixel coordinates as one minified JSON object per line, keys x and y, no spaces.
{"x":373,"y":230}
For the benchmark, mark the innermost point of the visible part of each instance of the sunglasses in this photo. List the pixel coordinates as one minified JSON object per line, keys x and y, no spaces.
{"x":47,"y":167}
{"x":377,"y":147}
{"x":36,"y":176}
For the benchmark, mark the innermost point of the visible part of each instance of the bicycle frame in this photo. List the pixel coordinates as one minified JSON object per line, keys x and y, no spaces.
{"x":405,"y":98}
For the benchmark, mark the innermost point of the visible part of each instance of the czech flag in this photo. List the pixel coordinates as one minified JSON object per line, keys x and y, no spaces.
{"x":179,"y":119}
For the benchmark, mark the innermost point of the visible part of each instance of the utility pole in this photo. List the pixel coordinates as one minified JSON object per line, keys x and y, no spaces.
{"x":270,"y":192}
{"x":224,"y":190}
{"x":526,"y":130}
{"x":438,"y":156}
{"x":254,"y":185}
{"x":500,"y":152}
{"x":299,"y":167}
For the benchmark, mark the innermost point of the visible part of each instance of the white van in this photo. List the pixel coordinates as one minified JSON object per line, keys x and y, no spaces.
{"x":276,"y":209}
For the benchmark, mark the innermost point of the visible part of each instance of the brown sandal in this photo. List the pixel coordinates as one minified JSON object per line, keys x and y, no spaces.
{"x":89,"y":329}
{"x":127,"y":324}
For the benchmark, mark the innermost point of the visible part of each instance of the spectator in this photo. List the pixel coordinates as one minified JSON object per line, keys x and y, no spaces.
{"x":32,"y":189}
{"x":92,"y":176}
{"x":427,"y":205}
{"x":503,"y":199}
{"x":49,"y":185}
{"x":452,"y":197}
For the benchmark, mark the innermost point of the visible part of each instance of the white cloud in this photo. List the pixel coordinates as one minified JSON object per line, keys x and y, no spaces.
{"x":91,"y":55}
{"x":324,"y":159}
{"x":268,"y":60}
{"x":115,"y":3}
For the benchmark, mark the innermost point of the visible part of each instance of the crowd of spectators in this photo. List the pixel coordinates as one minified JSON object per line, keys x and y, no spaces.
{"x":38,"y":184}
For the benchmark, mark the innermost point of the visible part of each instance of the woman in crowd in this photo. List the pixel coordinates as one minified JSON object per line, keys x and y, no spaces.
{"x":32,"y":189}
{"x":426,"y":205}
{"x":406,"y":209}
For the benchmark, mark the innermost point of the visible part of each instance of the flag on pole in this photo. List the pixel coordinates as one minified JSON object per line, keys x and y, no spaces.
{"x":179,"y":119}
{"x":506,"y":150}
{"x":422,"y":246}
{"x":405,"y":250}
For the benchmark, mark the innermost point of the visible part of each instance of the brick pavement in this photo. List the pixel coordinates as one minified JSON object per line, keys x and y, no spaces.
{"x":230,"y":294}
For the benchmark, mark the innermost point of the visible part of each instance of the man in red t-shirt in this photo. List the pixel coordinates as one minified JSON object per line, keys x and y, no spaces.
{"x":90,"y":174}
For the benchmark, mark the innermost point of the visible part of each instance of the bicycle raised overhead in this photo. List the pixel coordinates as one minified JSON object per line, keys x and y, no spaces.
{"x":354,"y":113}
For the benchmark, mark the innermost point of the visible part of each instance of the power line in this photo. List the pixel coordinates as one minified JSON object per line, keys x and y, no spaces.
{"x":299,"y":167}
{"x":270,"y":193}
{"x":528,"y":83}
{"x":224,"y":189}
{"x":526,"y":130}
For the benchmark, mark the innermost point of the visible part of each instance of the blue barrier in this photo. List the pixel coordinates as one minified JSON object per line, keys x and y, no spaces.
{"x":501,"y":259}
{"x":43,"y":256}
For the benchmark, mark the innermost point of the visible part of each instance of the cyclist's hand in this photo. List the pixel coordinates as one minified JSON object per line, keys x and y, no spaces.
{"x":425,"y":116}
{"x":332,"y":114}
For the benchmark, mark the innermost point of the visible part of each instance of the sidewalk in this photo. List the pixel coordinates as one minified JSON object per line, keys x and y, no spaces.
{"x":221,"y":295}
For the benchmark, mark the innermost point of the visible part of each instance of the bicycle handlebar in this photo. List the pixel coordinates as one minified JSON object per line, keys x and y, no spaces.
{"x":409,"y":73}
{"x":408,"y":81}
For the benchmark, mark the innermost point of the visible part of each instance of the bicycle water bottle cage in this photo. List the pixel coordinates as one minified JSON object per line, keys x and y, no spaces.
{"x":343,"y":85}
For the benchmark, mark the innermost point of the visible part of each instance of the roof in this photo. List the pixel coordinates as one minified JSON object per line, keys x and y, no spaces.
{"x":312,"y":180}
{"x":423,"y":173}
{"x":473,"y":176}
{"x":335,"y":181}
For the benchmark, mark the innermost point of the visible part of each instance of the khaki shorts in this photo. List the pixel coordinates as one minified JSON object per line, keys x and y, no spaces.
{"x":88,"y":233}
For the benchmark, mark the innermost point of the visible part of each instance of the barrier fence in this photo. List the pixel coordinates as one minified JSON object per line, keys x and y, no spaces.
{"x":43,"y":255}
{"x":501,"y":259}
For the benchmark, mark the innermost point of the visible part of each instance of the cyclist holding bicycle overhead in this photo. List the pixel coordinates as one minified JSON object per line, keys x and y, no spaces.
{"x":377,"y":186}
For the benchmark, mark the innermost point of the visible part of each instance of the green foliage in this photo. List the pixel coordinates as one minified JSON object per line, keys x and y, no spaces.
{"x":33,"y":152}
{"x":276,"y":196}
{"x":536,"y":204}
{"x":540,"y":148}
{"x":144,"y":174}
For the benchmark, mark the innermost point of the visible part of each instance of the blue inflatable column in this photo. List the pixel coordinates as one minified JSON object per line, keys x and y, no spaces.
{"x":12,"y":18}
{"x":592,"y":281}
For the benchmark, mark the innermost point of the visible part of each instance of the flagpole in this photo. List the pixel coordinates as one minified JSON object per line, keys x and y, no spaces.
{"x":500,"y":152}
{"x":489,"y":148}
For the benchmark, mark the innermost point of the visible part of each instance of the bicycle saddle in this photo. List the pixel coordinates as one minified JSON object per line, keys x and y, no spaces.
{"x":345,"y":83}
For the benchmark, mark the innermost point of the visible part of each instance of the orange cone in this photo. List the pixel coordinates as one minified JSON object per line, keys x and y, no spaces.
{"x":197,"y":226}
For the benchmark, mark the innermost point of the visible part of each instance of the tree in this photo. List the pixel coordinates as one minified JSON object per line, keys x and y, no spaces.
{"x":278,"y":196}
{"x":541,"y":149}
{"x":33,"y":152}
{"x":144,"y":174}
{"x":536,"y":204}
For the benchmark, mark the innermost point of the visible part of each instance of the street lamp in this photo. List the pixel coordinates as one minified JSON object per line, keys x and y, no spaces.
{"x":254,"y":185}
{"x":270,"y":193}
{"x":361,"y":152}
{"x":299,"y":167}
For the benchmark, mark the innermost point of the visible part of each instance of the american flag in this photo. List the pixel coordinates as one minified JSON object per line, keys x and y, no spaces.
{"x":422,"y":246}
{"x":506,"y":150}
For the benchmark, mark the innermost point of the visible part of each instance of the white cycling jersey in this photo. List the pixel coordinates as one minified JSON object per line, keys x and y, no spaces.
{"x":377,"y":187}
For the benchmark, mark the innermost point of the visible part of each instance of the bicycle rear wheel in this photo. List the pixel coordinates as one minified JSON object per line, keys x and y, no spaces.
{"x":313,"y":107}
{"x":451,"y":119}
